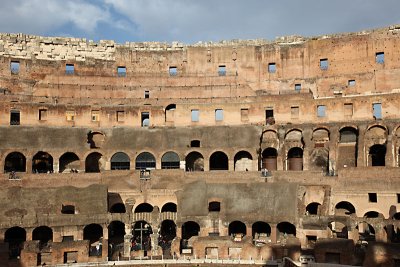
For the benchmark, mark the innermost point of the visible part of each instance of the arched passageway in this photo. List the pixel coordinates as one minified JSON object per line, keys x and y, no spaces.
{"x":116,"y":233}
{"x":142,"y":236}
{"x":376,"y":156}
{"x":219,"y":161}
{"x":169,"y":207}
{"x":236,"y":228}
{"x":118,"y":208}
{"x":92,"y":162}
{"x":15,"y":237}
{"x":313,"y":208}
{"x":167,"y":234}
{"x":15,"y":162}
{"x":269,"y":159}
{"x":42,"y":233}
{"x":170,"y":160}
{"x":69,"y":162}
{"x":295,"y":159}
{"x":285,"y":229}
{"x":243,"y":161}
{"x":344,"y":208}
{"x":94,"y":233}
{"x":42,"y":162}
{"x":120,"y":161}
{"x":189,"y":229}
{"x":261,"y":232}
{"x":194,"y":161}
{"x":144,"y":207}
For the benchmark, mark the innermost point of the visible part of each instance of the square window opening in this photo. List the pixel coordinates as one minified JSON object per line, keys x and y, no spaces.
{"x":269,"y":113}
{"x":173,"y":71}
{"x":244,"y":114}
{"x":42,"y":114}
{"x":321,"y":111}
{"x":219,"y":114}
{"x":380,"y":57}
{"x":95,"y":115}
{"x":70,"y":115}
{"x":323,"y":63}
{"x":222,"y":70}
{"x":121,"y":71}
{"x":14,"y":67}
{"x":377,"y":110}
{"x":398,"y":198}
{"x":15,"y":117}
{"x":294,"y":111}
{"x":195,"y":115}
{"x":271,"y":67}
{"x":195,"y":143}
{"x":69,"y":69}
{"x":351,"y":83}
{"x":297,"y":87}
{"x":372,"y":197}
{"x":146,"y":94}
{"x":145,"y":119}
{"x":120,"y":116}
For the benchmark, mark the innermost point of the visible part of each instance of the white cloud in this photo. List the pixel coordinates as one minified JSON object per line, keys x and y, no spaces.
{"x":42,"y":16}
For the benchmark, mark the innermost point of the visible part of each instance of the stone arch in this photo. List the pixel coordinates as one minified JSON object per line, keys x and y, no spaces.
{"x":167,"y":235}
{"x":170,"y":160}
{"x":319,"y":159}
{"x":269,"y":159}
{"x":170,"y":113}
{"x":347,"y":148}
{"x":237,"y":228}
{"x":320,"y":136}
{"x":120,"y":161}
{"x":145,"y":160}
{"x":169,"y":207}
{"x":260,"y":228}
{"x":344,"y":208}
{"x":116,"y":233}
{"x":294,"y":135}
{"x":190,"y":229}
{"x":42,"y":233}
{"x":396,"y":216}
{"x":285,"y":229}
{"x":219,"y":161}
{"x":93,"y":232}
{"x":15,"y":161}
{"x":243,"y":161}
{"x":348,"y":134}
{"x":373,"y":214}
{"x":93,"y":162}
{"x":194,"y":161}
{"x":313,"y":208}
{"x":376,"y":132}
{"x":69,"y":162}
{"x":366,"y":231}
{"x":338,"y":230}
{"x":144,"y":207}
{"x":15,"y":237}
{"x":295,"y":159}
{"x":42,"y":162}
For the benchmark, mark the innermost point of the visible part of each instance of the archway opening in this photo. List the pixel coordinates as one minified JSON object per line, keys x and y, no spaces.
{"x":189,"y":229}
{"x":243,"y":161}
{"x":170,"y":160}
{"x":15,"y":237}
{"x":144,"y":207}
{"x":313,"y":208}
{"x":118,"y":208}
{"x":218,"y":161}
{"x":339,"y":230}
{"x":261,"y":232}
{"x":295,"y":159}
{"x":116,"y":233}
{"x":42,"y":233}
{"x":69,"y":162}
{"x":167,"y":234}
{"x":373,"y":214}
{"x":237,"y":229}
{"x":15,"y":162}
{"x":169,"y":207}
{"x":94,"y":233}
{"x":145,"y":160}
{"x":344,"y":208}
{"x":377,"y":155}
{"x":365,"y":232}
{"x":42,"y":162}
{"x":92,"y":162}
{"x":142,"y":236}
{"x":120,"y":161}
{"x":194,"y":161}
{"x":285,"y":230}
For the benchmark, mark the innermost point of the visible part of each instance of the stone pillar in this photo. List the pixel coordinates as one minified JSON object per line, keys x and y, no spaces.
{"x":390,"y":159}
{"x":127,"y":244}
{"x":154,"y":244}
{"x":380,"y":234}
{"x":231,"y":164}
{"x":308,"y":147}
{"x":274,"y":233}
{"x":206,"y":164}
{"x":332,"y":146}
{"x":28,"y":164}
{"x":361,"y":162}
{"x":107,"y":166}
{"x":56,"y":166}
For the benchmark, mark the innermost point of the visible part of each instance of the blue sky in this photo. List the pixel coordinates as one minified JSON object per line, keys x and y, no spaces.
{"x":190,"y":21}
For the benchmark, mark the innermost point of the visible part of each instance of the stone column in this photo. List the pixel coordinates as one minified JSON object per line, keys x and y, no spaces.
{"x":307,"y":148}
{"x":274,"y":233}
{"x":390,"y":159}
{"x":231,"y":164}
{"x":361,"y":162}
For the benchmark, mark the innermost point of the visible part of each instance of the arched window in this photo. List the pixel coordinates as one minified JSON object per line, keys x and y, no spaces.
{"x":366,"y":231}
{"x":237,"y":227}
{"x":15,"y":162}
{"x":344,"y":208}
{"x":170,"y":160}
{"x":92,"y":162}
{"x":190,"y":229}
{"x":194,"y":161}
{"x":295,"y":159}
{"x":313,"y":208}
{"x":93,"y":233}
{"x":348,"y":135}
{"x":116,"y":233}
{"x":69,"y":162}
{"x":269,"y":159}
{"x":243,"y":161}
{"x":286,"y":229}
{"x":118,"y":208}
{"x":169,"y":207}
{"x":260,"y":230}
{"x":144,"y":207}
{"x":373,"y":214}
{"x":120,"y":161}
{"x":142,"y":235}
{"x":167,"y":234}
{"x":218,"y":161}
{"x":42,"y":162}
{"x":145,"y":160}
{"x":42,"y":233}
{"x":214,"y":206}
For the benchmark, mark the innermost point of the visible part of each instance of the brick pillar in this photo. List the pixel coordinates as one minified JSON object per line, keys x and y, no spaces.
{"x":274,"y":234}
{"x":29,"y":165}
{"x":390,"y":158}
{"x":231,"y":164}
{"x":308,"y":147}
{"x":361,"y":162}
{"x":127,"y":241}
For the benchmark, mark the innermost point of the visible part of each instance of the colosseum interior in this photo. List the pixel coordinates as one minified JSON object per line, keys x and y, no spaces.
{"x":233,"y":150}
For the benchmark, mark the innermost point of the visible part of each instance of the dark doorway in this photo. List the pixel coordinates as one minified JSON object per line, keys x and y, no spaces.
{"x":313,"y":208}
{"x":167,"y":234}
{"x":218,"y":161}
{"x":295,"y":159}
{"x":42,"y":162}
{"x":15,"y":162}
{"x":194,"y":162}
{"x":116,"y":233}
{"x":42,"y":233}
{"x":261,"y":228}
{"x":169,"y":207}
{"x":377,"y":155}
{"x":94,"y":233}
{"x":69,"y":162}
{"x":237,"y":227}
{"x":286,"y":229}
{"x":214,"y":206}
{"x":269,"y":159}
{"x":92,"y":162}
{"x":141,"y":236}
{"x":15,"y":237}
{"x":144,"y":207}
